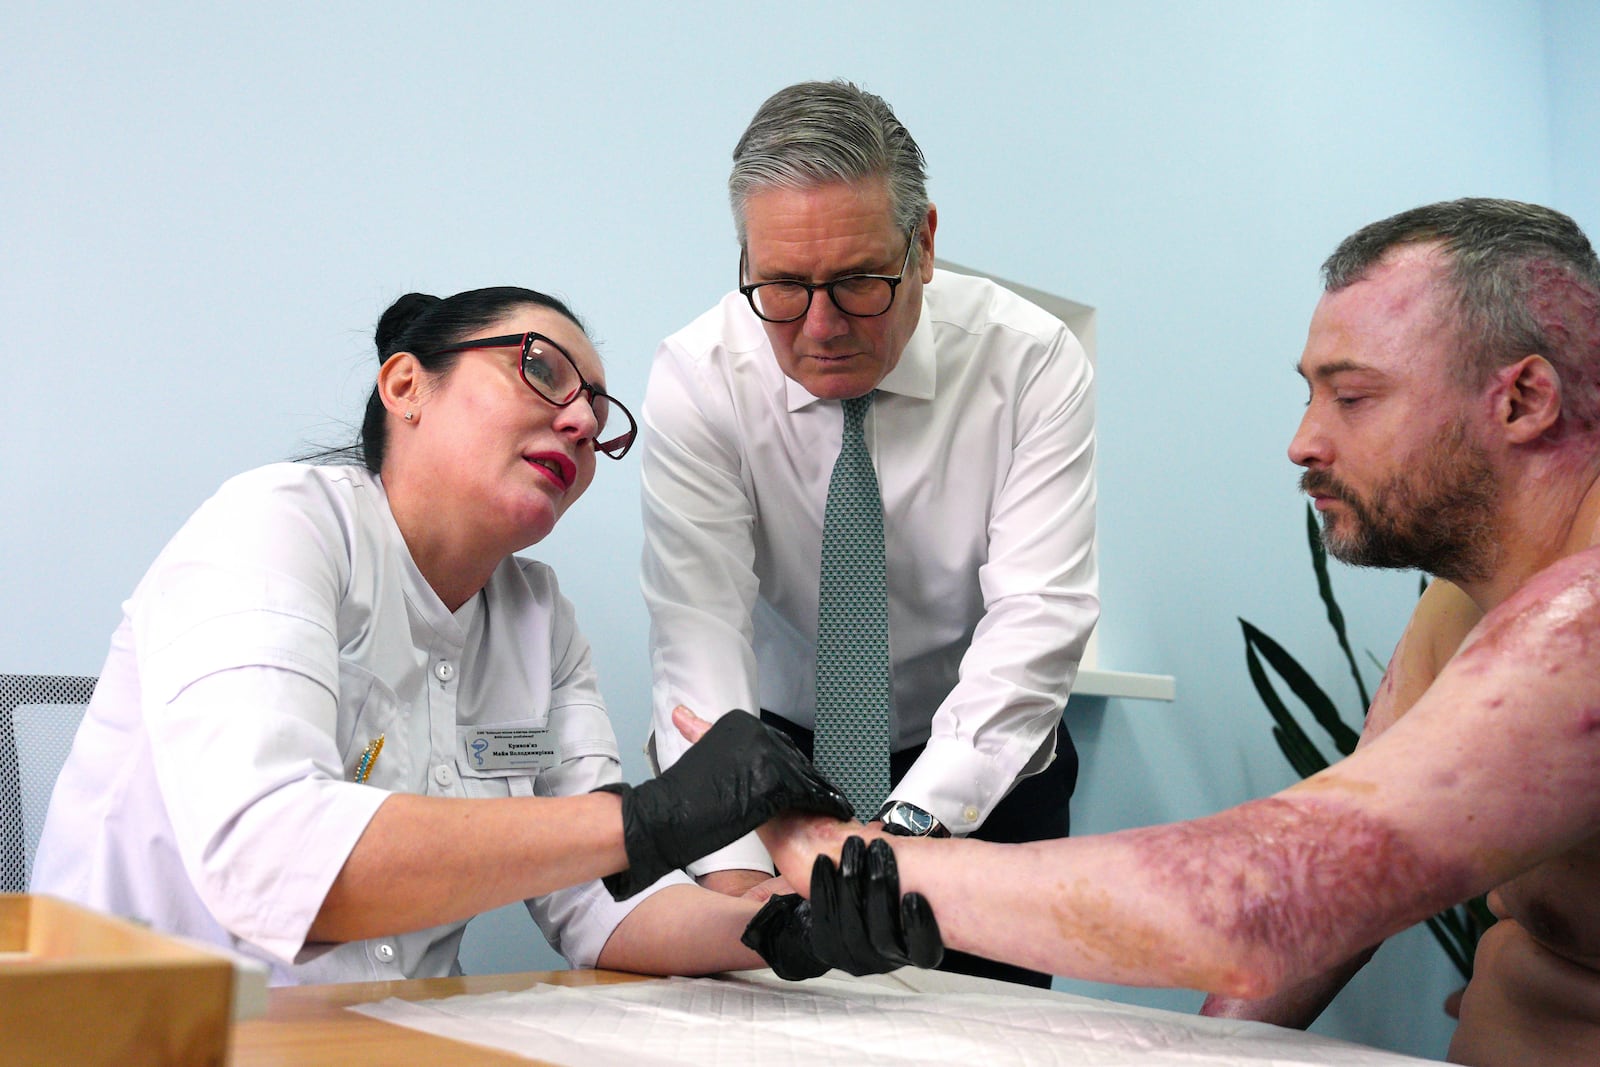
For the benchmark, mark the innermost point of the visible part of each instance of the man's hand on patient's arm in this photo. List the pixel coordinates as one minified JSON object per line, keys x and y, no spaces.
{"x":856,"y":920}
{"x":739,"y":774}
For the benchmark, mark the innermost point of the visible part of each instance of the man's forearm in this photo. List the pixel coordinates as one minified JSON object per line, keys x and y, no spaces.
{"x":697,"y":574}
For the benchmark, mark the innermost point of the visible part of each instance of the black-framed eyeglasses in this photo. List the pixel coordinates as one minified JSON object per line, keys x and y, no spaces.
{"x":863,"y":296}
{"x":550,"y":371}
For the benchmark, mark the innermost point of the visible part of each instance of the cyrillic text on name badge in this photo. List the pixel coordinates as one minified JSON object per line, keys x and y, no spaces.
{"x":511,"y":749}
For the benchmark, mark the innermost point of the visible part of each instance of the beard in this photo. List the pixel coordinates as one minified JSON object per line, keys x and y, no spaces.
{"x":1434,"y":515}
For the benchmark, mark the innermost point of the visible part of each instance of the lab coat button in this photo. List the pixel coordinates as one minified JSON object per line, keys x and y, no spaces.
{"x":443,"y":671}
{"x":441,"y":774}
{"x":970,"y":814}
{"x":385,"y":953}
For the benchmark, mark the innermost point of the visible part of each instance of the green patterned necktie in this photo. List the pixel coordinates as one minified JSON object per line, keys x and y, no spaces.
{"x":852,"y":724}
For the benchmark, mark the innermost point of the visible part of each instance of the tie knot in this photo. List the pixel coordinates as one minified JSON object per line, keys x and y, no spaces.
{"x":855,"y":410}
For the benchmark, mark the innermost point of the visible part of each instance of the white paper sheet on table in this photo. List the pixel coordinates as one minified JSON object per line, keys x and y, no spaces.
{"x":911,"y":1017}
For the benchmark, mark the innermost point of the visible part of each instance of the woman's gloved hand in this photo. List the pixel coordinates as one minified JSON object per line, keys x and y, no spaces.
{"x":736,"y":777}
{"x":856,"y":920}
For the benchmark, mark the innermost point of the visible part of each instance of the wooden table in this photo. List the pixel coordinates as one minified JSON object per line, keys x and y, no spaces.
{"x":308,"y":1025}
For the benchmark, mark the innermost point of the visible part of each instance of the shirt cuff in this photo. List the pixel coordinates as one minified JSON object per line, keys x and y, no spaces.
{"x":745,"y":854}
{"x":928,"y":784}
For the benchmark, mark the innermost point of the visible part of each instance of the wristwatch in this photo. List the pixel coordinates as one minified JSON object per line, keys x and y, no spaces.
{"x":908,"y":820}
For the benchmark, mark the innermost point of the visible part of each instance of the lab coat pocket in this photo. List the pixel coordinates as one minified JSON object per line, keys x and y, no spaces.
{"x":369,"y":732}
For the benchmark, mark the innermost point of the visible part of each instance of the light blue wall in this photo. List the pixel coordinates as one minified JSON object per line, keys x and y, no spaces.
{"x":1572,"y":29}
{"x":203,"y":212}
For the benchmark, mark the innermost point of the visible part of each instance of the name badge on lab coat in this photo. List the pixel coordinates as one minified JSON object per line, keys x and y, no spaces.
{"x":511,"y":749}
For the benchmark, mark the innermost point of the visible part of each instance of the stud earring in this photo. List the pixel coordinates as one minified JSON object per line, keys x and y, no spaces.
{"x":410,"y":415}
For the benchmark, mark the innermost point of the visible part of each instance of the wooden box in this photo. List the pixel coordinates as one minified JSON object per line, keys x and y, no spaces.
{"x":78,"y":987}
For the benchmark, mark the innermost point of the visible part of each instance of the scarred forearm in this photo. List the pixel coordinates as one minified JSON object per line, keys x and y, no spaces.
{"x":1242,"y":903}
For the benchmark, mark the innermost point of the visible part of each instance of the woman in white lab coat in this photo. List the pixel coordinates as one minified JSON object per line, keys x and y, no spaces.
{"x":340,"y":717}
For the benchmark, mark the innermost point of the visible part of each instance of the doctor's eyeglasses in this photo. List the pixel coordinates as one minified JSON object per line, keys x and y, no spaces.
{"x":550,"y":371}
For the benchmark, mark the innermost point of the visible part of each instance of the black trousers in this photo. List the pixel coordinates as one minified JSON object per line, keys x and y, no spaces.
{"x":1036,"y":810}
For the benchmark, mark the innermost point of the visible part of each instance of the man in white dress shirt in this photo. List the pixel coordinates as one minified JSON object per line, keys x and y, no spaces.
{"x":980,"y":433}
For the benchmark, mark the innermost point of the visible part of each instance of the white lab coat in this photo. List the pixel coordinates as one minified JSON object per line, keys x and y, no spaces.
{"x":210,"y":789}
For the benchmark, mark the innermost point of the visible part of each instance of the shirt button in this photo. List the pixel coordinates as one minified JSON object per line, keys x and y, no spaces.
{"x":442,"y":775}
{"x":970,"y":814}
{"x":385,"y":953}
{"x":443,"y":671}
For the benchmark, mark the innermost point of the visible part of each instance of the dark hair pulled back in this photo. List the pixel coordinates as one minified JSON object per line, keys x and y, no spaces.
{"x":420,"y":324}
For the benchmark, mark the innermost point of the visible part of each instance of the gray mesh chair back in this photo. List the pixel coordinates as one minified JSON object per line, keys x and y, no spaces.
{"x":39,"y":715}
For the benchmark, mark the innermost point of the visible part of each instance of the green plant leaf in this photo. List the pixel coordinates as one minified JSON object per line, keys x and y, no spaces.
{"x":1455,"y":924}
{"x":1461,"y":959}
{"x":1302,"y":754}
{"x":1452,"y":922}
{"x":1301,"y":684}
{"x":1302,"y":759}
{"x":1479,"y":915}
{"x":1319,"y":564}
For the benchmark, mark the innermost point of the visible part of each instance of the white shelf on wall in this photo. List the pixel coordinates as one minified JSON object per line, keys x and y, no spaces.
{"x":1128,"y":686}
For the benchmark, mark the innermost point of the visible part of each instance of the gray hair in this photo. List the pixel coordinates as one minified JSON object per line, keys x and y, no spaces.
{"x":814,"y":133}
{"x":1525,"y":281}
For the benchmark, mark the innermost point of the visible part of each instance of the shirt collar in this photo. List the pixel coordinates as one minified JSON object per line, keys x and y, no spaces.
{"x":912,"y":376}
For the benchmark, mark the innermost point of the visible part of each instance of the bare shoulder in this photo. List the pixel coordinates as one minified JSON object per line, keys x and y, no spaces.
{"x":1521,"y":690}
{"x":1443,"y":618}
{"x":1559,"y":607}
{"x":1495,"y":767}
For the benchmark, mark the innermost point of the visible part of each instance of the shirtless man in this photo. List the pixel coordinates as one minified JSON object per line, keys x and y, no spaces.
{"x":1453,"y":426}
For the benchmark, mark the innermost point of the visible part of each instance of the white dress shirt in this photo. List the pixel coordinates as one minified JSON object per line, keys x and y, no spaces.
{"x":982,"y":437}
{"x":209,"y":791}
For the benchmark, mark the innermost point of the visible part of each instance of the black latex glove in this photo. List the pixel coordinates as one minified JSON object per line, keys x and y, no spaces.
{"x":856,"y":920}
{"x":736,"y":777}
{"x":781,"y":935}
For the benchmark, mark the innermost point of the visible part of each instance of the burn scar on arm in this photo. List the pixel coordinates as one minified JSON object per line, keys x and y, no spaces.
{"x":1267,"y":893}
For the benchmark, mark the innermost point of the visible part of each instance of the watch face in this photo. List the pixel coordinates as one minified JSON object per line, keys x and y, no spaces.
{"x":907,"y":820}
